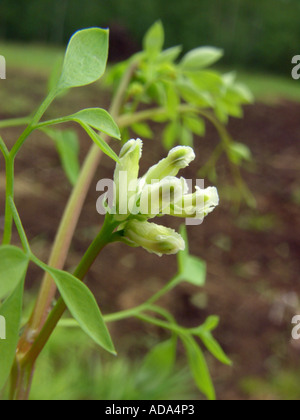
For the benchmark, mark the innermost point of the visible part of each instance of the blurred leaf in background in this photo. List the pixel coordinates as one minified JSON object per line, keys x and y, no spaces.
{"x":61,"y":378}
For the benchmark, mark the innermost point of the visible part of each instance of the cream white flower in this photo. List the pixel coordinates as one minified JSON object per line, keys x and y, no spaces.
{"x":156,"y":239}
{"x":158,"y":192}
{"x":197,"y":205}
{"x":158,"y":197}
{"x":178,"y":158}
{"x":126,"y":176}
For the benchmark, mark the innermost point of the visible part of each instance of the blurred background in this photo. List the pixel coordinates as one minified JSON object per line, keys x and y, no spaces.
{"x":252,"y":255}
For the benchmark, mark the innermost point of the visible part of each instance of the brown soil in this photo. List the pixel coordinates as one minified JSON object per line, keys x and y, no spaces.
{"x":253,"y":271}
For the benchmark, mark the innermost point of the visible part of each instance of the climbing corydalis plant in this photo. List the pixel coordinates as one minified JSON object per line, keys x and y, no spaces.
{"x":178,"y":92}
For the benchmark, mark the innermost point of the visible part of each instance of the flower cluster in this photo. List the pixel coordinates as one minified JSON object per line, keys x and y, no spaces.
{"x":159,"y":192}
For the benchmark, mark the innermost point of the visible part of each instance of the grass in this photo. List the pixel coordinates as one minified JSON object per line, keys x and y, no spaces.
{"x":41,"y":59}
{"x":31,"y":57}
{"x":271,"y":88}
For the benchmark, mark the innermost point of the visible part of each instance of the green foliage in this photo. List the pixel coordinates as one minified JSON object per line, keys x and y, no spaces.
{"x":240,"y":152}
{"x":213,"y":346}
{"x":191,"y":269}
{"x":200,"y":58}
{"x":83,"y":307}
{"x":185,"y":88}
{"x":89,"y":119}
{"x":250,"y":220}
{"x":85,"y":59}
{"x":280,"y":384}
{"x":13,"y":267}
{"x":102,"y":144}
{"x":11,"y":310}
{"x":198,"y":367}
{"x":98,"y":119}
{"x":160,"y":361}
{"x":154,"y":40}
{"x":84,"y":376}
{"x":67,"y":144}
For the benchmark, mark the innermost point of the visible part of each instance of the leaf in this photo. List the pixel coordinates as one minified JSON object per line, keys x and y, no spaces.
{"x":198,"y":366}
{"x":99,"y":119}
{"x":67,"y":144}
{"x":211,"y":323}
{"x":54,"y":75}
{"x":154,"y":40}
{"x":239,"y":94}
{"x":142,"y":130}
{"x":214,"y":348}
{"x":158,"y":93}
{"x":100,"y":142}
{"x":11,"y":310}
{"x":186,"y":137}
{"x":207,"y":80}
{"x":182,"y":255}
{"x":239,"y":152}
{"x":221,"y":111}
{"x":244,"y":94}
{"x":161,"y":359}
{"x":83,"y":307}
{"x":85,"y":59}
{"x":13,"y":266}
{"x":195,"y":124}
{"x":232,"y":109}
{"x":191,"y":269}
{"x":191,"y":93}
{"x":173,"y":100}
{"x":194,"y":271}
{"x":200,"y":58}
{"x":170,"y":55}
{"x":170,"y":135}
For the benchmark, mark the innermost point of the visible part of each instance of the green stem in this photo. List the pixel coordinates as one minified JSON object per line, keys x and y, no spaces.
{"x":129,"y":119}
{"x":19,"y":226}
{"x":38,"y":115}
{"x":162,"y":312}
{"x":9,"y":194}
{"x":167,"y":288}
{"x":162,"y":324}
{"x":64,"y":236}
{"x":56,"y":121}
{"x":10,"y":159}
{"x":215,"y":156}
{"x":84,"y":266}
{"x":128,"y":313}
{"x":235,"y":170}
{"x":14,"y":122}
{"x":4,"y":149}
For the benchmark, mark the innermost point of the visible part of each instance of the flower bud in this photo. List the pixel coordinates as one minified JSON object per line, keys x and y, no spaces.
{"x":159,"y":197}
{"x":154,"y":238}
{"x":178,"y":158}
{"x":197,"y":205}
{"x":126,"y":175}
